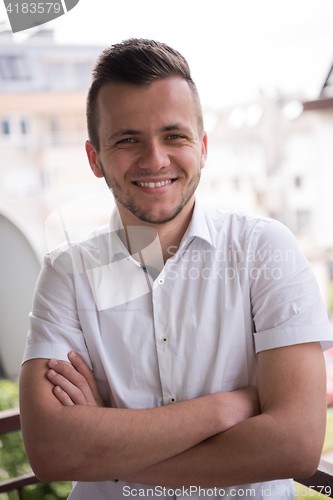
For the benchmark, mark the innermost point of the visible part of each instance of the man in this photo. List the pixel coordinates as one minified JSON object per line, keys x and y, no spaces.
{"x":170,"y":317}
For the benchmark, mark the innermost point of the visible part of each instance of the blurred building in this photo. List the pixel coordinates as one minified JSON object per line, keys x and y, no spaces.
{"x":274,"y":157}
{"x":43,"y":89}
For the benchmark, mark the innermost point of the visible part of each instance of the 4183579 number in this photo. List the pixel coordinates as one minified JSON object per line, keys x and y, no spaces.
{"x":34,"y":8}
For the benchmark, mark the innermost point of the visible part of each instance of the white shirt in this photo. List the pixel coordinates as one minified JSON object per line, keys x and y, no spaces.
{"x":237,"y":285}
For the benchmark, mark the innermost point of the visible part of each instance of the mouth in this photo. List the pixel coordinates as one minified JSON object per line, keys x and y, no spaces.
{"x":155,"y":184}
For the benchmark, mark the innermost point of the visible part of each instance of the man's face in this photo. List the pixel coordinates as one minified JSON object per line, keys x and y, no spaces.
{"x":151,"y":151}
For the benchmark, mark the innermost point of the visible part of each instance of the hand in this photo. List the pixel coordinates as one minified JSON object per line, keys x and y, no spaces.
{"x":74,"y":382}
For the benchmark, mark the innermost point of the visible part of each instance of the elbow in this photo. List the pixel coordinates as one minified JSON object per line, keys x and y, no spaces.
{"x":48,"y":454}
{"x":306,"y":465}
{"x":305,"y":459}
{"x":45,"y":459}
{"x":48,"y":471}
{"x":45,"y":466}
{"x":310,"y":448}
{"x":299,"y":447}
{"x":42,"y":472}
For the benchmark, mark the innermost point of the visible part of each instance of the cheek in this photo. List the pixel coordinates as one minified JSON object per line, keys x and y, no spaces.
{"x":117,"y":166}
{"x":188,"y":159}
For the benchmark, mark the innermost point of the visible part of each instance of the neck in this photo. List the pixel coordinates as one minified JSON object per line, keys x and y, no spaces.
{"x":169,"y":234}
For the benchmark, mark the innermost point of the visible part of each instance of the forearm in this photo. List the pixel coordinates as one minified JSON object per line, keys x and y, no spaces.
{"x":284,"y":441}
{"x":97,"y":444}
{"x":256,"y":450}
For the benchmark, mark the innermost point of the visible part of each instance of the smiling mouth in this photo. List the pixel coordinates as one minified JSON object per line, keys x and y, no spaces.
{"x":154,"y":184}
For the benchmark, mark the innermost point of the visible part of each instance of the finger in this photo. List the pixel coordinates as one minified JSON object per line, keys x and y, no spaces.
{"x":69,"y":385}
{"x":62,"y":396}
{"x":82,"y":367}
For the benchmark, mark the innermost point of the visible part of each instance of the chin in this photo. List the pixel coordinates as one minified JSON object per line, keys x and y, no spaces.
{"x":156,"y":219}
{"x":160,"y":217}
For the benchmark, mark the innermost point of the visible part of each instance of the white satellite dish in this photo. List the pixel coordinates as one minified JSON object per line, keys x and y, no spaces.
{"x":19,"y":269}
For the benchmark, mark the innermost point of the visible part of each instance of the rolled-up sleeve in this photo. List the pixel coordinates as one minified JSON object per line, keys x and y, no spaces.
{"x":286,"y":303}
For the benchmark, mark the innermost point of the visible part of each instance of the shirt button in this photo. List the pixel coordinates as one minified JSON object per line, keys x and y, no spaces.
{"x":161,"y":281}
{"x":173,"y":399}
{"x":165,"y":340}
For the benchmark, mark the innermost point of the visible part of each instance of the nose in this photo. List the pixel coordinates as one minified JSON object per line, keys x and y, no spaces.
{"x":154,"y":157}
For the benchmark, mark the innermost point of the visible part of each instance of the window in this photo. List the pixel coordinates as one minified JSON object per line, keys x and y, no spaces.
{"x":5,"y":129}
{"x":15,"y":128}
{"x":13,"y":68}
{"x":23,"y":127}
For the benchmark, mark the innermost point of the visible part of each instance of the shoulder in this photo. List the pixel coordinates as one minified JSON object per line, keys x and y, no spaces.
{"x":240,"y":226}
{"x":73,"y":256}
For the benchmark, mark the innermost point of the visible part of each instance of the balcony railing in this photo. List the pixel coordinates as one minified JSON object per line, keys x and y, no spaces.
{"x":321,"y":481}
{"x":9,"y":422}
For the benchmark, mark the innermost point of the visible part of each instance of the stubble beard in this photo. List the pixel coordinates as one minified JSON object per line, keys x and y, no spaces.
{"x":130,"y":204}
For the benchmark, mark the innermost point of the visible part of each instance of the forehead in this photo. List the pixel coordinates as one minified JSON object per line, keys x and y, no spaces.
{"x":163,"y":102}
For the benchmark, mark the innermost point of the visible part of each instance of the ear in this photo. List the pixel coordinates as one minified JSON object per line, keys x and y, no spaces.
{"x":204,"y":150}
{"x":93,"y":160}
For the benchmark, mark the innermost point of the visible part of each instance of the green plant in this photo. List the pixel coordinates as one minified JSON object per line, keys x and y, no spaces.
{"x":13,"y":459}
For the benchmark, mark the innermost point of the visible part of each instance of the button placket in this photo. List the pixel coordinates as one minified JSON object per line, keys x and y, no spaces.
{"x":164,"y":354}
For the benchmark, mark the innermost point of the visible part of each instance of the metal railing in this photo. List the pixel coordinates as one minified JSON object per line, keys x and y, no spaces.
{"x":321,"y":481}
{"x":9,"y":422}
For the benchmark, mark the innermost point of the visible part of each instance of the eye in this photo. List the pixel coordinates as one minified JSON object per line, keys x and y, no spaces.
{"x":175,"y":136}
{"x":128,"y":140}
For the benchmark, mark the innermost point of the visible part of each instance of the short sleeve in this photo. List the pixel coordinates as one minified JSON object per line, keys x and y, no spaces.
{"x":287,"y":307}
{"x":54,"y":323}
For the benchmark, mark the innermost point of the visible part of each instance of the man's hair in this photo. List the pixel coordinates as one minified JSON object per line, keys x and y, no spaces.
{"x":138,"y":62}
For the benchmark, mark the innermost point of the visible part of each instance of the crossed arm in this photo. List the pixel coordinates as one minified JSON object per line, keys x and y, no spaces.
{"x":216,"y":440}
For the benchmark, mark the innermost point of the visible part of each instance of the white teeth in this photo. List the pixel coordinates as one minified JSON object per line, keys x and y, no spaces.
{"x":154,"y":184}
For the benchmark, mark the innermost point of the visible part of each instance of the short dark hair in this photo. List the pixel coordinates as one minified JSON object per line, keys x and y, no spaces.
{"x":140,"y":62}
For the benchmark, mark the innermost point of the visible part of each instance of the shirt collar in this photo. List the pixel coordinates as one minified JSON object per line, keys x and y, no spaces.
{"x":116,"y":246}
{"x":198,"y":227}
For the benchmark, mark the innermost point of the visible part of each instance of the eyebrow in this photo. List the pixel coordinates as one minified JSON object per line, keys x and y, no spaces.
{"x":121,"y":132}
{"x":175,"y":126}
{"x":166,"y":128}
